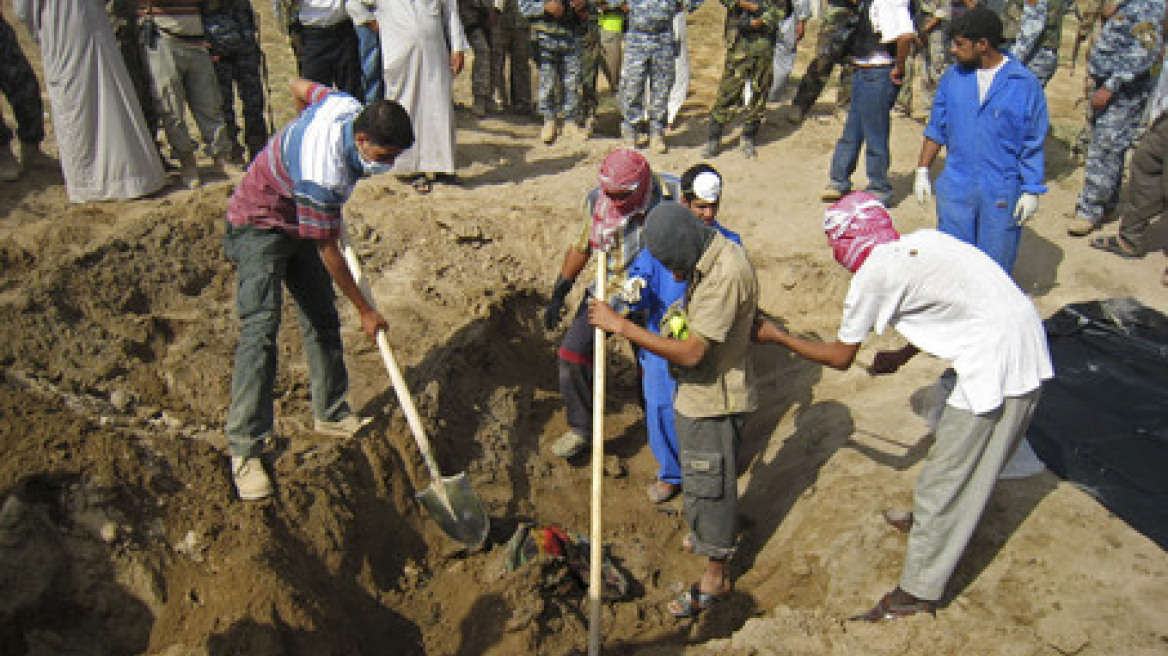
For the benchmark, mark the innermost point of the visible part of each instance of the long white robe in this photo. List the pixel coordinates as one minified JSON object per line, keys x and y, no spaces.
{"x":105,"y":151}
{"x":416,"y":57}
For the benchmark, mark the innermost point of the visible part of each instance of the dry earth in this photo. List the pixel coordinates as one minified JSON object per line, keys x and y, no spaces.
{"x":119,"y":533}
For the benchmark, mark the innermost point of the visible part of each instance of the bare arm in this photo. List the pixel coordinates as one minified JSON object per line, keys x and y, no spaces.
{"x":837,"y":355}
{"x":301,"y":89}
{"x":574,"y":263}
{"x":929,"y":150}
{"x":330,"y":254}
{"x":686,"y":352}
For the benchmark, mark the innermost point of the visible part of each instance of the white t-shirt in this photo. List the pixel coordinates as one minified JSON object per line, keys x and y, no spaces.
{"x":951,"y":300}
{"x":985,"y":77}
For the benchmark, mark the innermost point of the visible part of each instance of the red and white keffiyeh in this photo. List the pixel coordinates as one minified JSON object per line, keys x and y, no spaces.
{"x":625,"y":174}
{"x":855,"y":225}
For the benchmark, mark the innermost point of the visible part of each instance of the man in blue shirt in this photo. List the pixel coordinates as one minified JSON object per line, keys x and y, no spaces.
{"x":990,"y":114}
{"x":701,"y":192}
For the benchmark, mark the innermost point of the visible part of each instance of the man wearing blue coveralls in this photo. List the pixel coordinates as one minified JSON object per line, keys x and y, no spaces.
{"x":659,"y":292}
{"x":990,"y":113}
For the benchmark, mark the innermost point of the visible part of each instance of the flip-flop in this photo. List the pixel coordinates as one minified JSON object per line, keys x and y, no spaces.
{"x":885,"y":609}
{"x":1114,"y":245}
{"x":900,"y":520}
{"x":692,"y":602}
{"x":421,"y":185}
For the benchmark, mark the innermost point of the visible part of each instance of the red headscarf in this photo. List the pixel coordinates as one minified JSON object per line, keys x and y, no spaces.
{"x":622,"y":171}
{"x":855,"y":225}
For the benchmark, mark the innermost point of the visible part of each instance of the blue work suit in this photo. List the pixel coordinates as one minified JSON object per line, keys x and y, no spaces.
{"x":661,"y":292}
{"x":994,"y":155}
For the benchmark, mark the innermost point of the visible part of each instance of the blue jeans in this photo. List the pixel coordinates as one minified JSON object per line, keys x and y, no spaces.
{"x":369,"y":49}
{"x":873,"y":94}
{"x":268,"y":261}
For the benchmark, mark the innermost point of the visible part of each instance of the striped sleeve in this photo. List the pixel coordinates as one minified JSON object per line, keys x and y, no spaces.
{"x":318,"y":211}
{"x":318,"y":92}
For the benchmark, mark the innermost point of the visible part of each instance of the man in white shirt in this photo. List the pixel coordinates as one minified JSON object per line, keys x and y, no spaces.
{"x":951,"y":300}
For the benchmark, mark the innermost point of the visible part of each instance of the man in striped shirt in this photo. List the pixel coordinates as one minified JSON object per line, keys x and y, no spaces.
{"x":284,"y":228}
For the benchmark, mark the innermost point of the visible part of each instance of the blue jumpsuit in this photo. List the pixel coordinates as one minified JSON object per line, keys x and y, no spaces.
{"x":994,"y":155}
{"x":661,"y":292}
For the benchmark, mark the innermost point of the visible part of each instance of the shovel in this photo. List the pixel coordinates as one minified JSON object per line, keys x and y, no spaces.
{"x":449,"y":500}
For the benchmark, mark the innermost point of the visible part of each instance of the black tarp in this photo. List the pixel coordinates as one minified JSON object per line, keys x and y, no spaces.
{"x":1102,"y":422}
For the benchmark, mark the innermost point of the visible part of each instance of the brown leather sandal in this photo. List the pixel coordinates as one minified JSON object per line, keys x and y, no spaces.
{"x":894,"y":606}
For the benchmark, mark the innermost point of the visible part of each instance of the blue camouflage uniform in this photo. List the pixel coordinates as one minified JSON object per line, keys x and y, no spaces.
{"x":230,"y":28}
{"x":994,"y":154}
{"x":19,"y":84}
{"x":1121,"y":61}
{"x":662,"y":293}
{"x":559,"y":52}
{"x":1039,"y":32}
{"x":650,"y":48}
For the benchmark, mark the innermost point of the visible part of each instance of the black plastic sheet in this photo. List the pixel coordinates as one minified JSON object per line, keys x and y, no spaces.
{"x":1102,"y":423}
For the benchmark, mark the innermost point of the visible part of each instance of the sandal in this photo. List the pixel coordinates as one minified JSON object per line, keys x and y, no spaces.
{"x":888,"y":609}
{"x":692,"y":602}
{"x":660,"y":491}
{"x":1115,"y":245}
{"x":421,"y":185}
{"x":901,"y":520}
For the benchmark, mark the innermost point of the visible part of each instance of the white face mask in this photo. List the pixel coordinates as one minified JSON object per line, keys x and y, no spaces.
{"x":369,"y":167}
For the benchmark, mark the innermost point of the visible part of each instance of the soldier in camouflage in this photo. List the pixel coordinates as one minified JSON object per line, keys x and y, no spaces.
{"x":24,"y":95}
{"x":649,"y":51}
{"x":831,"y":49}
{"x":1039,"y":33}
{"x":603,"y":51}
{"x":751,"y":27}
{"x":1119,"y":66}
{"x":230,"y":27}
{"x":124,"y":21}
{"x":511,"y":58}
{"x":558,"y":28}
{"x":932,"y":20}
{"x":478,"y":16}
{"x":1010,"y":11}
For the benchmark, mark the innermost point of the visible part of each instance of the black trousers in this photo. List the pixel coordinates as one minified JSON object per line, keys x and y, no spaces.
{"x":329,"y":55}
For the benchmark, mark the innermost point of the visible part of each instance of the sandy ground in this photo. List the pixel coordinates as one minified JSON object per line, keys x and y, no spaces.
{"x":119,"y":533}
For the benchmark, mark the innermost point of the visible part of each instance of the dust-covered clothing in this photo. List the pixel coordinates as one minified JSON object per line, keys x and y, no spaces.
{"x":104,"y":149}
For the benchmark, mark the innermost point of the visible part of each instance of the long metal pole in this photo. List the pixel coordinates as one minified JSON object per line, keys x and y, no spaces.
{"x":598,"y":384}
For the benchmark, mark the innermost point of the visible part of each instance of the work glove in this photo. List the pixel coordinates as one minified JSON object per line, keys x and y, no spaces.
{"x":1025,"y":208}
{"x":630,"y":291}
{"x":555,"y":307}
{"x":922,"y":189}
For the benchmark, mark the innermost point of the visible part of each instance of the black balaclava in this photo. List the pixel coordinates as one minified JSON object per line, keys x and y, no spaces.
{"x":676,"y":237}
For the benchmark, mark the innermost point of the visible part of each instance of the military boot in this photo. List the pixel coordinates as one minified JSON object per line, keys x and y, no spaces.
{"x":713,"y":140}
{"x":657,"y":141}
{"x":548,"y":133}
{"x":748,"y":134}
{"x":31,"y":156}
{"x":9,"y":169}
{"x":189,"y":170}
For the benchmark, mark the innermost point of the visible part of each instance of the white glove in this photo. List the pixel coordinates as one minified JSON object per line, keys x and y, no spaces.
{"x":630,"y":291}
{"x":1026,"y":208}
{"x":922,"y":189}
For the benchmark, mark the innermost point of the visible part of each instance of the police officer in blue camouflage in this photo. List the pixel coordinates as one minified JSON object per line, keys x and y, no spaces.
{"x":558,"y":28}
{"x":19,"y":84}
{"x":650,"y":48}
{"x":1039,"y":33}
{"x":1119,"y":66}
{"x":230,"y":28}
{"x":749,"y":34}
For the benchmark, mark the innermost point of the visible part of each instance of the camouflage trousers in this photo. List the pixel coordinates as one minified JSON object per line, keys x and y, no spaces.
{"x":480,"y":67}
{"x":1112,"y":132}
{"x":240,"y":73}
{"x":511,"y":65}
{"x":559,"y":61}
{"x":19,"y":84}
{"x":182,"y":75}
{"x":743,"y":68}
{"x":603,"y":51}
{"x":648,"y":59}
{"x":1043,"y":64}
{"x":831,"y":44}
{"x":931,"y":62}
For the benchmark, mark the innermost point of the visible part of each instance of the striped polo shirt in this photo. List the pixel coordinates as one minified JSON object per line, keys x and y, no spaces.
{"x":301,"y":179}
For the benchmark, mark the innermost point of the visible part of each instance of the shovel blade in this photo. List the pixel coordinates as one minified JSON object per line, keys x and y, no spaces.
{"x":456,"y":509}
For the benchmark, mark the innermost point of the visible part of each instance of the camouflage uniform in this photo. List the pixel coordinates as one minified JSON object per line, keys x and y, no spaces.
{"x":1039,"y":33}
{"x":1010,"y":11}
{"x":934,"y":57}
{"x":19,"y":84}
{"x":831,"y":48}
{"x":749,"y":60}
{"x":1121,"y":61}
{"x":511,"y":39}
{"x":230,"y":27}
{"x":475,"y":16}
{"x":603,"y":51}
{"x":124,"y":21}
{"x":649,"y":51}
{"x":559,"y":46}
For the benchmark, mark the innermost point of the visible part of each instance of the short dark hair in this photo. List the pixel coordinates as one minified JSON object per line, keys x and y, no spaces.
{"x":386,"y":123}
{"x":687,"y":179}
{"x":981,"y":22}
